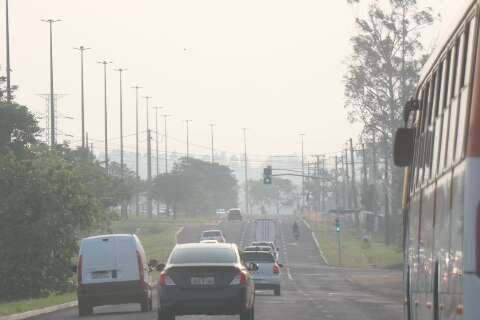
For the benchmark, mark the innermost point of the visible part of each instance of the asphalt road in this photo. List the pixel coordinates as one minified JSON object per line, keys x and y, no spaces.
{"x":310,"y":289}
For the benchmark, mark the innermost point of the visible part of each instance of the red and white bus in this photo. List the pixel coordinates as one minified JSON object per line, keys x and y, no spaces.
{"x":440,"y":147}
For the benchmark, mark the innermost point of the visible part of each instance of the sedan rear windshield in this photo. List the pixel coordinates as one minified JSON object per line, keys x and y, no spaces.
{"x":203,"y":255}
{"x":258,"y":257}
{"x":212,"y":234}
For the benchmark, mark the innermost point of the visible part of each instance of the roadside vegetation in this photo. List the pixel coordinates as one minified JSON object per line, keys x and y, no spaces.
{"x":356,"y":251}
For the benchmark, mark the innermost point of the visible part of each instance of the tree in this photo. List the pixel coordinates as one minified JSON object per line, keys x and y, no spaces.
{"x":45,"y":202}
{"x":196,"y":187}
{"x":382,"y":74}
{"x":279,"y":194}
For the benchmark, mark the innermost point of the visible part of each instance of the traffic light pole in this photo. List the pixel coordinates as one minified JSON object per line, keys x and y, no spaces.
{"x":338,"y":230}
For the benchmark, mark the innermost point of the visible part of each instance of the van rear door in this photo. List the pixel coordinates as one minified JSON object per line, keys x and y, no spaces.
{"x":109,"y":259}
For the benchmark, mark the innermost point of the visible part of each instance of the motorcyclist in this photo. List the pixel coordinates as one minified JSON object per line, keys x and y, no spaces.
{"x":295,"y":229}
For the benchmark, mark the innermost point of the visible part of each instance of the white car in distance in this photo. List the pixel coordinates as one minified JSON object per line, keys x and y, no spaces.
{"x":213,"y":235}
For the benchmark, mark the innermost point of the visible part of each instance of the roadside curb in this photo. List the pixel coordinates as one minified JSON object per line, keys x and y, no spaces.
{"x":39,"y":312}
{"x":315,"y":240}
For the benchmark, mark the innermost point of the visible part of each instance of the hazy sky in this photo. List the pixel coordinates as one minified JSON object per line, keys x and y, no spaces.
{"x":273,"y":66}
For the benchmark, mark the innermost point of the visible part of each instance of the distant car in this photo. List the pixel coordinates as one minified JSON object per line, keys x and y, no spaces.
{"x":234,"y":214}
{"x":213,"y":235}
{"x":112,"y":269}
{"x":266,"y":243}
{"x":268,"y":274}
{"x":208,"y":241}
{"x":220,"y":213}
{"x":205,"y":279}
{"x":260,"y":248}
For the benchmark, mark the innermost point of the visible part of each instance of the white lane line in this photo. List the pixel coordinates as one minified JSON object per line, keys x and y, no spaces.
{"x":178,"y":233}
{"x":285,"y":254}
{"x":317,"y":244}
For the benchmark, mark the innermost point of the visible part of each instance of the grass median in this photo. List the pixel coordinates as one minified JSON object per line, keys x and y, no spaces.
{"x":156,"y":235}
{"x":355,"y":253}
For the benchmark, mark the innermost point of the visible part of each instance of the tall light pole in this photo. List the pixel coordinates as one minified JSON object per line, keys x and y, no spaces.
{"x":120,"y":73}
{"x":149,"y":159}
{"x":211,"y":135}
{"x":52,"y":95}
{"x":302,"y":135}
{"x":104,"y":62}
{"x":7,"y":38}
{"x":188,"y":138}
{"x":156,"y":137}
{"x":165,"y":137}
{"x":137,"y":198}
{"x":82,"y":94}
{"x":247,"y":207}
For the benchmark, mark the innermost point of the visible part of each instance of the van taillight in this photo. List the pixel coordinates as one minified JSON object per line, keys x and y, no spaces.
{"x":79,"y":270}
{"x":165,"y":280}
{"x":140,"y":267}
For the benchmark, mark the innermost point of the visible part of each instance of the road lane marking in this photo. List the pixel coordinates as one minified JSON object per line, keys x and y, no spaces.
{"x":177,"y":233}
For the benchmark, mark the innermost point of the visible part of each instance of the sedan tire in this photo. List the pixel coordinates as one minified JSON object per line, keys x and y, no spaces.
{"x":248,"y":314}
{"x":84,"y":309}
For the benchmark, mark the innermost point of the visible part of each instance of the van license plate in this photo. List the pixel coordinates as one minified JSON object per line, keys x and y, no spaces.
{"x":100,"y":275}
{"x":202,"y":281}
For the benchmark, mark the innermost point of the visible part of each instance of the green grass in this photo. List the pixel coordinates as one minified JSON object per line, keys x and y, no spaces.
{"x":32,"y":304}
{"x":354,"y":254}
{"x":156,"y":235}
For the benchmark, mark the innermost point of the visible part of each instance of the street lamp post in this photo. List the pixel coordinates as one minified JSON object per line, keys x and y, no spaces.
{"x":122,"y":174}
{"x":52,"y":95}
{"x":165,"y":136}
{"x":137,"y":197}
{"x":188,"y":138}
{"x":7,"y":38}
{"x":149,"y":160}
{"x":302,"y":135}
{"x":156,"y":138}
{"x":104,"y":62}
{"x":211,"y":135}
{"x":247,"y":207}
{"x":82,"y":94}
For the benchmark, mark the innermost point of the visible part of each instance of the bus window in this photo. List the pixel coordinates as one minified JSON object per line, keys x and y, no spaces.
{"x":464,"y":105}
{"x":452,"y":105}
{"x":460,"y":63}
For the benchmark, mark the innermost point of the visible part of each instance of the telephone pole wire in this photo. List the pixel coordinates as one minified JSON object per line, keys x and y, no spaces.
{"x":52,"y":95}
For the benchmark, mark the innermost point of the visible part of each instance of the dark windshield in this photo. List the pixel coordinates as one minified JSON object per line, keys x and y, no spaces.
{"x":212,"y":234}
{"x":257,"y":257}
{"x":203,"y":255}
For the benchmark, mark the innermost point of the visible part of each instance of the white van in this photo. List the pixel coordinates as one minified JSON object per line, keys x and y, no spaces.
{"x":112,"y":269}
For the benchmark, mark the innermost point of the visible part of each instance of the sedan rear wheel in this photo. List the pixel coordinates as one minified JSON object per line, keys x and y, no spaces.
{"x":248,"y":314}
{"x":84,"y":309}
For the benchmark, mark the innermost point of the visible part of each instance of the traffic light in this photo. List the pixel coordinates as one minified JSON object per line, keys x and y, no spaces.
{"x":267,"y":175}
{"x":337,"y":224}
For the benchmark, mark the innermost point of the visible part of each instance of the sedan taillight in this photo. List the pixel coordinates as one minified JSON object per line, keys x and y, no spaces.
{"x":276,"y":269}
{"x":240,"y":279}
{"x":165,"y":280}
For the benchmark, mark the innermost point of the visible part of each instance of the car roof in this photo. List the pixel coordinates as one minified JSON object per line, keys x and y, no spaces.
{"x":213,"y":230}
{"x":115,"y":235}
{"x":259,"y":247}
{"x":205,"y":245}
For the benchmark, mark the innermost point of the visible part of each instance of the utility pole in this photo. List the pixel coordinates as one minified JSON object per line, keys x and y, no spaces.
{"x":165,"y":136}
{"x":364,"y":160}
{"x":319,"y":189}
{"x":137,"y":197}
{"x":7,"y":38}
{"x":52,"y":95}
{"x":104,"y":62}
{"x":156,"y":138}
{"x":86,"y":140}
{"x":303,"y":175}
{"x":149,"y":162}
{"x":211,"y":135}
{"x":247,"y":207}
{"x":346,"y":182}
{"x":323,"y":184}
{"x":156,"y":150}
{"x":336,"y":183}
{"x":123,"y":209}
{"x":354,"y":187}
{"x":188,"y":151}
{"x":82,"y":94}
{"x":386,"y":191}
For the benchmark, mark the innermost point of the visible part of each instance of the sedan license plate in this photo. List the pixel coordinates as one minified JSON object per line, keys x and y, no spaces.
{"x":202,"y":281}
{"x":100,"y":275}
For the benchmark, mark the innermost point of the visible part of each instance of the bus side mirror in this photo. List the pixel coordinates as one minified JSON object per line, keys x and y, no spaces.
{"x":403,"y":147}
